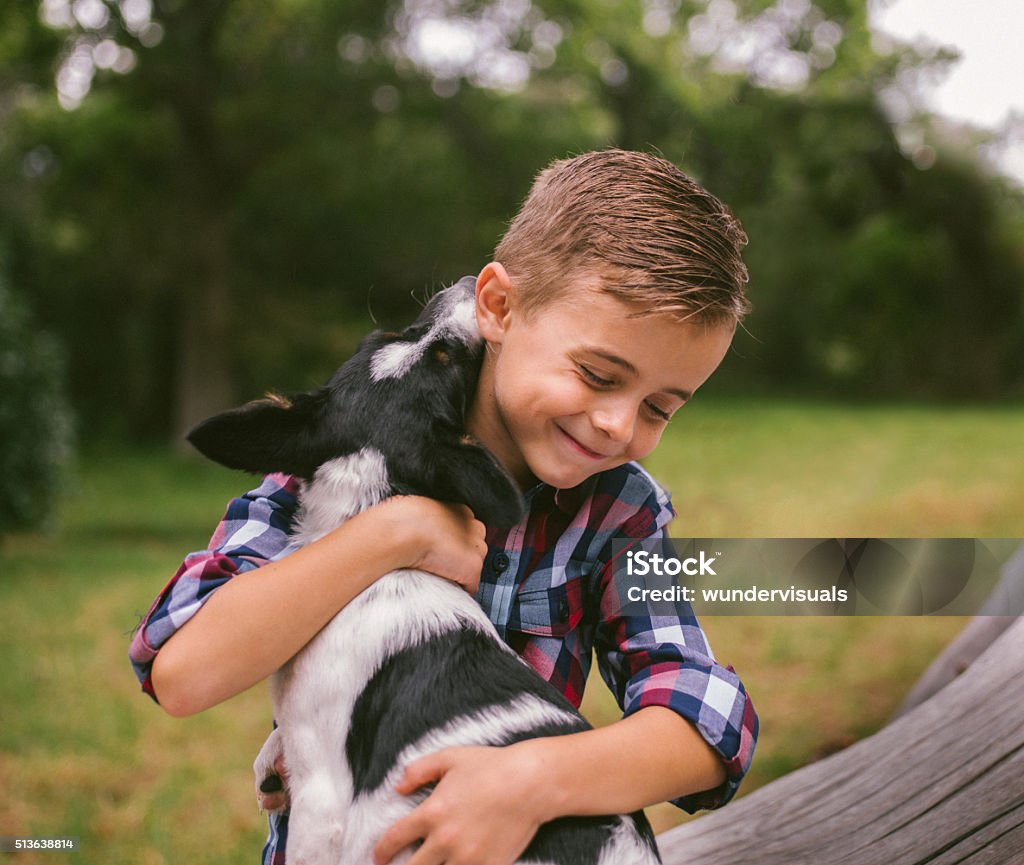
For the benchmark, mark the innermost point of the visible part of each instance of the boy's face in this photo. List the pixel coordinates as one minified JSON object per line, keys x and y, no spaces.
{"x":577,"y":386}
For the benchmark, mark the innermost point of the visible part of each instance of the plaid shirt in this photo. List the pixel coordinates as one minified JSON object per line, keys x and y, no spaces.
{"x":545,"y":586}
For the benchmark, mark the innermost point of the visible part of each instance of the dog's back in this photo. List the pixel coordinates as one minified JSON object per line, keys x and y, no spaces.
{"x":412,"y":664}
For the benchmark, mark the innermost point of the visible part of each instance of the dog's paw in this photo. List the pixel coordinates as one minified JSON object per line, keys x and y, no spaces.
{"x":271,"y":776}
{"x":272,"y":794}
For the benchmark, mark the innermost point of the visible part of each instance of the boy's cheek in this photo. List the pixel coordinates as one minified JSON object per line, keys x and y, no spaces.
{"x":644,"y":445}
{"x":533,"y":398}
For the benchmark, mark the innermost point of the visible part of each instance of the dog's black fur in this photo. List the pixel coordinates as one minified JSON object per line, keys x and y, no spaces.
{"x":417,"y":421}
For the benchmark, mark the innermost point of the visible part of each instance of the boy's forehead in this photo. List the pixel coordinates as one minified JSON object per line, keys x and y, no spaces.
{"x":589,"y":308}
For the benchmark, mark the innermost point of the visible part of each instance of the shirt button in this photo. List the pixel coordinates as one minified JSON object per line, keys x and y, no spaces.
{"x":500,"y":563}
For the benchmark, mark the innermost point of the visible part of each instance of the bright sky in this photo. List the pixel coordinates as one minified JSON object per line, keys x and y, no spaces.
{"x":988,"y":81}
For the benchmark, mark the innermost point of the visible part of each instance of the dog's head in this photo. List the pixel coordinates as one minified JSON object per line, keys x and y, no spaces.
{"x":404,"y":394}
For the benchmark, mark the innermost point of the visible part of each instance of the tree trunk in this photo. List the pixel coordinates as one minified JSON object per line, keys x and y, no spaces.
{"x":203,"y":377}
{"x":203,"y":374}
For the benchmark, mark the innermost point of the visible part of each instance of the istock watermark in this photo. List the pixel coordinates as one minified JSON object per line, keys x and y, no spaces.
{"x":640,"y":563}
{"x":807,"y":576}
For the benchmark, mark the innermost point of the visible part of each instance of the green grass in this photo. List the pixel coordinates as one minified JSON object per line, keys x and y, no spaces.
{"x":743,"y":468}
{"x":82,"y":752}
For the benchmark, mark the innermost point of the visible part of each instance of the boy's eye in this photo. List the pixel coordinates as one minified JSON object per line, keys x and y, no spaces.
{"x":594,"y":378}
{"x":659,"y":413}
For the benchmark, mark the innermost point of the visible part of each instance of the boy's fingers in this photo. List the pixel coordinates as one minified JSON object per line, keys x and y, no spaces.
{"x":421,"y":772}
{"x":401,"y":835}
{"x":472,"y":584}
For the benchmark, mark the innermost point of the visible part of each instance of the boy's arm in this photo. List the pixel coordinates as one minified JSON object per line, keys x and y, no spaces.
{"x":253,"y":530}
{"x":653,"y":660}
{"x":651,"y":756}
{"x":225,"y":623}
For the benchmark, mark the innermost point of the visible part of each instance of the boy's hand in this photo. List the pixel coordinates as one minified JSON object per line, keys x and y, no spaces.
{"x":443,"y":539}
{"x":483,"y":811}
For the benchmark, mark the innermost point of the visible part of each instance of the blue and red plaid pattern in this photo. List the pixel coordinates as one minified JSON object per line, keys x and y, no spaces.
{"x":545,"y":585}
{"x":253,"y":530}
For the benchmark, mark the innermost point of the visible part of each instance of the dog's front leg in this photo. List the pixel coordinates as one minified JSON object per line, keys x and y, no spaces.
{"x":271,"y":779}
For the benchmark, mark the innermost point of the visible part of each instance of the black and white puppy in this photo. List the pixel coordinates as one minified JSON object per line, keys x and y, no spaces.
{"x":412,"y":664}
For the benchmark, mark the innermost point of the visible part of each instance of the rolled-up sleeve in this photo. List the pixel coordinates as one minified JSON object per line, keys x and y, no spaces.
{"x":659,"y":660}
{"x":253,"y":531}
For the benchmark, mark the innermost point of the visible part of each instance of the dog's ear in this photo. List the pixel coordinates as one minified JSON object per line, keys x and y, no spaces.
{"x":276,"y":434}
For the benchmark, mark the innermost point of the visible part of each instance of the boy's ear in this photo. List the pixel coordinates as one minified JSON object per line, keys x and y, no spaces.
{"x":494,"y":295}
{"x":276,"y":434}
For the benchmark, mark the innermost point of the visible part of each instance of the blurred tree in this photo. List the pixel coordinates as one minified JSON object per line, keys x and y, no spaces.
{"x":35,"y":420}
{"x":220,"y":194}
{"x":243,"y":184}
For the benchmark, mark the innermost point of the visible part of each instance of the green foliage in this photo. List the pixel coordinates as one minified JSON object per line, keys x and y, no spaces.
{"x":270,"y":175}
{"x":35,"y":421}
{"x":868,"y":274}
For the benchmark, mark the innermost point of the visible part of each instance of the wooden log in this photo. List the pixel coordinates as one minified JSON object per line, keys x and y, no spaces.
{"x":997,"y":613}
{"x":1007,"y":598}
{"x":944,"y":784}
{"x":979,"y":633}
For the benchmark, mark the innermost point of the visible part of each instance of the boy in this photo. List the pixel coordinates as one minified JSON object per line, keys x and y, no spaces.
{"x":612,"y":297}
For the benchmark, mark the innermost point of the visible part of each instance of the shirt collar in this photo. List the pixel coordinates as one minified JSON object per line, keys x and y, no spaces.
{"x":568,"y":501}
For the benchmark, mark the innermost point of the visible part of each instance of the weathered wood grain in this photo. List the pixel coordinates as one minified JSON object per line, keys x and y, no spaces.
{"x":943,"y":784}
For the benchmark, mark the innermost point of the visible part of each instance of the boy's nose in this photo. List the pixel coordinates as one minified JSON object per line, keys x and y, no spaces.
{"x":616,"y":421}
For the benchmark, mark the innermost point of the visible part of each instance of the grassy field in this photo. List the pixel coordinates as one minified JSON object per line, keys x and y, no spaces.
{"x":83,"y":753}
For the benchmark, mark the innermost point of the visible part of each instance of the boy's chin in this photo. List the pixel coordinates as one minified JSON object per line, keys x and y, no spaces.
{"x":563,"y":477}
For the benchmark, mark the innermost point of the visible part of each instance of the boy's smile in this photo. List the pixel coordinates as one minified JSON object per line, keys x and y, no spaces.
{"x":578,"y":386}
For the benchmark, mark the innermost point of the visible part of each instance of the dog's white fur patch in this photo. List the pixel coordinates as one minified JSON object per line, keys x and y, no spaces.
{"x":455,"y":319}
{"x":626,"y":847}
{"x":340,"y":489}
{"x":461,"y":321}
{"x":396,"y":359}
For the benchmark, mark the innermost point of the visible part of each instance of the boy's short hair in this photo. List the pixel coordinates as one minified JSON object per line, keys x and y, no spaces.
{"x":651,"y":236}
